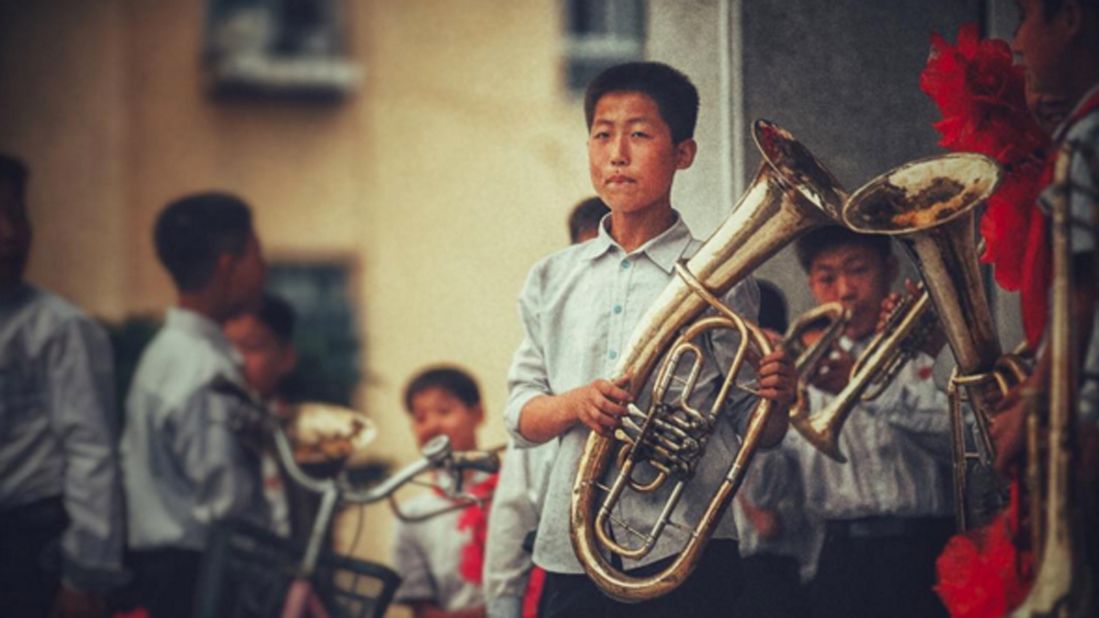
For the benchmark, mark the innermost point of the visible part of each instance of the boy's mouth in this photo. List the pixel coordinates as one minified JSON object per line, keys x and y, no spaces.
{"x":618,"y":179}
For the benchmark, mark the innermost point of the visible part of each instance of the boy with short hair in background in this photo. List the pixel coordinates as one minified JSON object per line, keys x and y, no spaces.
{"x":440,"y":558}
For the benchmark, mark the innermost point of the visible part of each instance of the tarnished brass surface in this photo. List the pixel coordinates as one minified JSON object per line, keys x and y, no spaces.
{"x":1060,"y":586}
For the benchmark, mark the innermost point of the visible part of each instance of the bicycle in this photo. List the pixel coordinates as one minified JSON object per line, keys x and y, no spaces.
{"x":240,"y":553}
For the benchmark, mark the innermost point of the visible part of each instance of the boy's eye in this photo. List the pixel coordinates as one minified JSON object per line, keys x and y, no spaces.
{"x":640,"y":134}
{"x":601,"y":135}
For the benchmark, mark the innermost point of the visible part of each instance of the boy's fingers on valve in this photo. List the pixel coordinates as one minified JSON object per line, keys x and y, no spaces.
{"x":888,"y":304}
{"x":614,"y":390}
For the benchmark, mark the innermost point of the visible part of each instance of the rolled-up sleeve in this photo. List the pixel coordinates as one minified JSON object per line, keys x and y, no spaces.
{"x":527,"y":377}
{"x":83,"y":417}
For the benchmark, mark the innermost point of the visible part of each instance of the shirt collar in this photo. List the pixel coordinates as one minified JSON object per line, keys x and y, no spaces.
{"x":663,"y":249}
{"x":1062,"y":128}
{"x":200,"y":326}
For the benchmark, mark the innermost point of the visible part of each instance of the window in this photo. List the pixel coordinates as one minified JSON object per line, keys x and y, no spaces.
{"x":277,"y":48}
{"x":600,"y":34}
{"x":325,"y":333}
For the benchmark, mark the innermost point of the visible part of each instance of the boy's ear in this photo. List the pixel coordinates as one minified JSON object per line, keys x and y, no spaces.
{"x":478,"y":413}
{"x":685,"y":152}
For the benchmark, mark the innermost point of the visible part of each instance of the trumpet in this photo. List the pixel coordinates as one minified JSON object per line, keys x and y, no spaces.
{"x":905,"y":330}
{"x":791,"y":194}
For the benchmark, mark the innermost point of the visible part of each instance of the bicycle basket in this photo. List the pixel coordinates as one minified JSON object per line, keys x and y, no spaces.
{"x":247,"y":571}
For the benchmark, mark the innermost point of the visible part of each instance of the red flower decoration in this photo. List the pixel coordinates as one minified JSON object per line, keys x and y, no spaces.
{"x":475,"y":518}
{"x":981,"y":94}
{"x":981,"y":573}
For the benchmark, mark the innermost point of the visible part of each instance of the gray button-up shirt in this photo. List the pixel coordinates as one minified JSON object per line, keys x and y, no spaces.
{"x":428,"y":554}
{"x":185,"y":465}
{"x":898,"y":451}
{"x":58,"y":429}
{"x":774,"y":483}
{"x":579,"y":307}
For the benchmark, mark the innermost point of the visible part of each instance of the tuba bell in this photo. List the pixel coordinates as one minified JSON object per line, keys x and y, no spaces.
{"x":791,"y":194}
{"x":928,"y":205}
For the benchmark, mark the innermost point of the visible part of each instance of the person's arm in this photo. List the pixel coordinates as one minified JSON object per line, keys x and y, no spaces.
{"x":82,"y":416}
{"x":215,"y":457}
{"x":534,"y":413}
{"x":1008,"y":426}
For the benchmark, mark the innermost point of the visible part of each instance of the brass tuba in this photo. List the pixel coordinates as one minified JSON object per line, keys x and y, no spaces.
{"x":928,"y":205}
{"x":1061,"y":587}
{"x":790,"y":194}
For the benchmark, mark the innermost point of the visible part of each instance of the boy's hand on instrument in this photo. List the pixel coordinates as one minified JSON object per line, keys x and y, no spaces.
{"x":599,"y":404}
{"x":777,"y":380}
{"x":934,"y":341}
{"x":1008,"y":428}
{"x":833,"y":372}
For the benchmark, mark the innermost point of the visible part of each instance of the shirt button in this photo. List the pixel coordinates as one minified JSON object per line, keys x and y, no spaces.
{"x":625,"y":264}
{"x":618,"y":309}
{"x":612,"y":355}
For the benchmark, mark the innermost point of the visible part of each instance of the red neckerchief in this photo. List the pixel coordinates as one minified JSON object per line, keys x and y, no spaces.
{"x":475,"y":517}
{"x":1034,"y":294}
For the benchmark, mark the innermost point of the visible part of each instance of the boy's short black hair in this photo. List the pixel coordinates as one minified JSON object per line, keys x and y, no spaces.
{"x":193,"y":231}
{"x":452,"y":379}
{"x":277,"y":315}
{"x":674,"y":94}
{"x":585,"y":216}
{"x":812,"y":244}
{"x":14,"y":172}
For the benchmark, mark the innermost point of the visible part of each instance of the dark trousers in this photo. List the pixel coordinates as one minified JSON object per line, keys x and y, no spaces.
{"x":28,"y":535}
{"x":772,"y":588}
{"x":880,"y":567}
{"x":711,"y":590}
{"x":166,"y":580}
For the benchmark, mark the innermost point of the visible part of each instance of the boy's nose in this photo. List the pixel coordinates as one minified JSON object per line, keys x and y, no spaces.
{"x":619,"y":152}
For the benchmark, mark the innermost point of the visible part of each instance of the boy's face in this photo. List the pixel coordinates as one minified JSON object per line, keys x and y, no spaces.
{"x":631,"y":156}
{"x":1043,"y":46}
{"x":15,"y":236}
{"x":856,"y":276}
{"x":245,"y":277}
{"x":436,"y":411}
{"x":267,"y":359}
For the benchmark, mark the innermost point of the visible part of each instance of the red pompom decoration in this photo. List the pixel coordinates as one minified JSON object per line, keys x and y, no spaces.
{"x":981,"y":94}
{"x":982,"y":574}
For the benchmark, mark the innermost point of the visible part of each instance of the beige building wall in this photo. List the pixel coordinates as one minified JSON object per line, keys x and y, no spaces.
{"x":444,"y":178}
